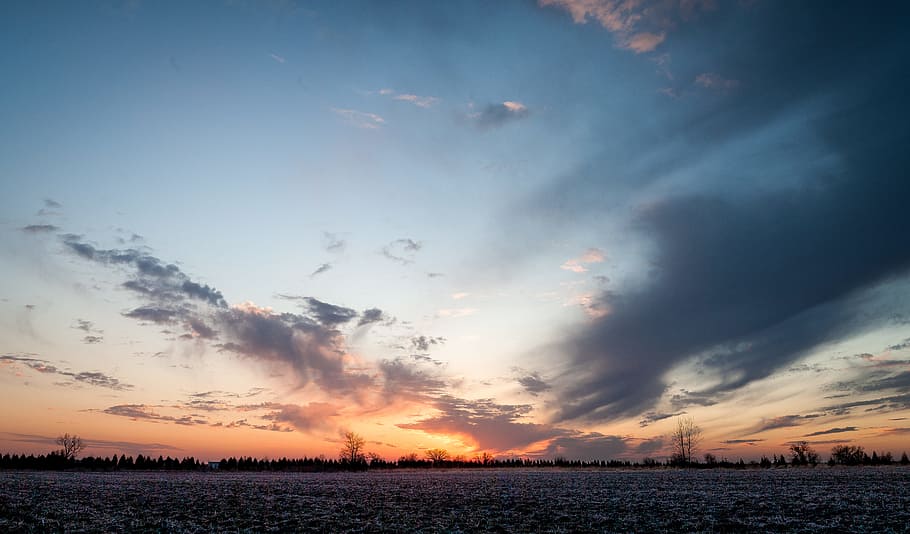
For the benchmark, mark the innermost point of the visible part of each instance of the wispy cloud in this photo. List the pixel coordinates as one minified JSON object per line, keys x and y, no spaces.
{"x":402,"y":250}
{"x":577,"y":265}
{"x":40,"y":228}
{"x":277,"y":58}
{"x":360,"y":119}
{"x":417,"y":100}
{"x":836,"y":430}
{"x":712,"y":80}
{"x":496,"y":115}
{"x":456,"y":312}
{"x":321,"y":269}
{"x":92,"y":378}
{"x":637,"y":25}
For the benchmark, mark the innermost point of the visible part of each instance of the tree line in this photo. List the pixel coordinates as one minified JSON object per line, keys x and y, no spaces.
{"x":352,"y":457}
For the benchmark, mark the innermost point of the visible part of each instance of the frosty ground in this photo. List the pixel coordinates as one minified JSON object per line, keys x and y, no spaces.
{"x":507,"y":500}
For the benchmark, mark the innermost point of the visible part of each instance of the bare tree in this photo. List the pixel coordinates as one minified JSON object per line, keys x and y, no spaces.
{"x":72,"y":445}
{"x":437,"y":456}
{"x":352,"y":447}
{"x":686,"y":439}
{"x":802,"y":454}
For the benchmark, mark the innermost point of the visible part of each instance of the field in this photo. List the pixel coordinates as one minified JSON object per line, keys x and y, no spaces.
{"x":516,"y":500}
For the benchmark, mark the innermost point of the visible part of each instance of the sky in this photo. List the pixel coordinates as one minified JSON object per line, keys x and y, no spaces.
{"x":532,"y":229}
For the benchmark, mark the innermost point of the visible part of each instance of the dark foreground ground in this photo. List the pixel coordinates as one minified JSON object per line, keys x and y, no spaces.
{"x":514,"y":500}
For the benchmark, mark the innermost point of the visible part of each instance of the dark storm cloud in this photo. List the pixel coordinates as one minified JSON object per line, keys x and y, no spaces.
{"x":750,"y":281}
{"x":836,"y":430}
{"x":533,"y":384}
{"x":329,"y":314}
{"x":402,"y":250}
{"x":653,"y":417}
{"x":496,"y":115}
{"x":369,"y":316}
{"x":40,"y":228}
{"x":153,"y":314}
{"x":314,"y":351}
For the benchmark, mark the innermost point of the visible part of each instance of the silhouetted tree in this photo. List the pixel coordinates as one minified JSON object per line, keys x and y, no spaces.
{"x":437,"y":456}
{"x":847,"y":455}
{"x":801,"y":453}
{"x":352,"y":448}
{"x":71,"y":446}
{"x":685,"y":438}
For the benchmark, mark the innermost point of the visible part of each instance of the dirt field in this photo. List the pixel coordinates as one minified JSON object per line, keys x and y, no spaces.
{"x":519,"y":500}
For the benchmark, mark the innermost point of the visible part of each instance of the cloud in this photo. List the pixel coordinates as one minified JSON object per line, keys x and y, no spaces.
{"x":422,"y":343}
{"x":836,"y":430}
{"x":329,"y":314}
{"x":784,"y":421}
{"x":313,"y":416}
{"x":403,"y":380}
{"x":277,"y":58}
{"x":534,"y":384}
{"x":312,"y":349}
{"x":144,"y":412}
{"x":162,"y":283}
{"x":321,"y":269}
{"x":653,"y":417}
{"x":92,"y":378}
{"x":710,"y":296}
{"x":496,"y":115}
{"x":40,"y":228}
{"x":744,"y":441}
{"x":402,"y":250}
{"x":644,"y":41}
{"x":577,"y":265}
{"x":153,"y":314}
{"x":332,"y":243}
{"x":638,"y":26}
{"x":360,"y":119}
{"x":371,"y":315}
{"x":484,"y":423}
{"x":419,"y":101}
{"x":459,"y":295}
{"x":52,"y":204}
{"x":711,"y":80}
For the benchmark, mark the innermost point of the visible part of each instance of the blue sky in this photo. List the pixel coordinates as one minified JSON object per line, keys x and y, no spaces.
{"x":526,"y":228}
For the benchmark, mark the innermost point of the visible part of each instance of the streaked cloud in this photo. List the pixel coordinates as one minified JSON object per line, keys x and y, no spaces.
{"x":712,"y":80}
{"x":360,"y":119}
{"x":402,"y":250}
{"x":577,"y":265}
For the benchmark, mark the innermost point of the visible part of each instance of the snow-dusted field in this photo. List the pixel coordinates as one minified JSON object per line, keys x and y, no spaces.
{"x":515,"y":500}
